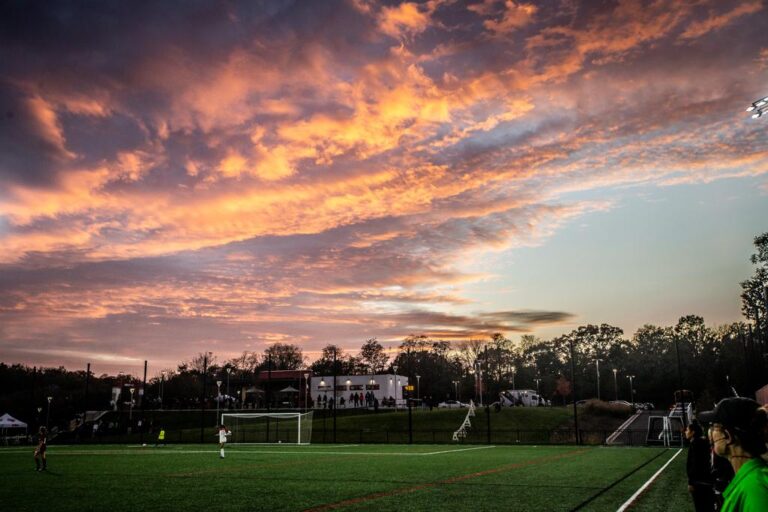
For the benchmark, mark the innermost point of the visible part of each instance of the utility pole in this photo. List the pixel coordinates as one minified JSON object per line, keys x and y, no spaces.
{"x":202,"y":398}
{"x":335,"y":404}
{"x":142,"y":396}
{"x":85,"y":397}
{"x":597,"y":368}
{"x":573,"y":386}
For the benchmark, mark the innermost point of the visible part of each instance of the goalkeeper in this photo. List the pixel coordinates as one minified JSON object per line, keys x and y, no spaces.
{"x":223,"y":433}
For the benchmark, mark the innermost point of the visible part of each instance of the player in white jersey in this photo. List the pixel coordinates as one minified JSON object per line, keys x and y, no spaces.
{"x":223,"y":433}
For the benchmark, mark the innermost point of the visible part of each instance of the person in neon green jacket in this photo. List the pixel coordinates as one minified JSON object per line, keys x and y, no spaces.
{"x":737,"y":433}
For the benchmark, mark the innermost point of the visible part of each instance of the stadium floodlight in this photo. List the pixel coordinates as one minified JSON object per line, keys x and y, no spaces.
{"x":218,"y":399}
{"x":162,"y":381}
{"x":48,"y":413}
{"x":759,"y":107}
{"x":632,"y":389}
{"x":394,"y":367}
{"x":229,"y":371}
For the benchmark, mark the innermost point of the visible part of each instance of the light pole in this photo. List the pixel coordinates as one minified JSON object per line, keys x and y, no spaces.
{"x":48,"y":413}
{"x":478,"y":382}
{"x":229,"y":372}
{"x":537,"y":385}
{"x":162,"y":381}
{"x":218,"y":400}
{"x":418,"y":395}
{"x":631,"y":390}
{"x":131,"y":390}
{"x":456,"y":389}
{"x":615,"y":385}
{"x":597,"y":369}
{"x":758,"y":107}
{"x":394,"y":367}
{"x":306,"y":391}
{"x":513,"y":378}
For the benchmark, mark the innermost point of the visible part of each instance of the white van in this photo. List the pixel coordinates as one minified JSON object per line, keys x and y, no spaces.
{"x":524,"y":397}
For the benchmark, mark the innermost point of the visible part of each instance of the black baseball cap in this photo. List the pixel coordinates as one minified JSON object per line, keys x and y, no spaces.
{"x":731,"y":412}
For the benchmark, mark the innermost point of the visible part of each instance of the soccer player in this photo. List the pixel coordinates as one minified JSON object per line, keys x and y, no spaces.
{"x":42,"y":438}
{"x":223,"y":433}
{"x":160,"y":438}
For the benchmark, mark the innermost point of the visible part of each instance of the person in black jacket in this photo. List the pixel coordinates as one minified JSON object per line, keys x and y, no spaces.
{"x":699,"y":468}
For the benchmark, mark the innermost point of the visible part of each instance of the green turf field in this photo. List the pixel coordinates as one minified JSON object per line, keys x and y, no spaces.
{"x":341,"y":477}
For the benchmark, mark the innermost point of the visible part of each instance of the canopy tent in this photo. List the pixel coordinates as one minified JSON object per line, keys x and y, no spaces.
{"x":289,"y":389}
{"x":8,"y":421}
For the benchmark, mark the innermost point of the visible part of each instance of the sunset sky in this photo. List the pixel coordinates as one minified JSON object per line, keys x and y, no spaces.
{"x":178,"y":177}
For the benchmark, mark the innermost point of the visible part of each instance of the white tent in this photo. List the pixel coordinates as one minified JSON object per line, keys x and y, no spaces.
{"x":8,"y":421}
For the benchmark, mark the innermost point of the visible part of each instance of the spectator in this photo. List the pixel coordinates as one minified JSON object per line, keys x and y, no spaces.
{"x":699,"y":469}
{"x":722,"y":474}
{"x":737,"y":433}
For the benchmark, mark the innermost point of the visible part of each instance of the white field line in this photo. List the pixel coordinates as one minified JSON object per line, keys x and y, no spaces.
{"x":233,"y":451}
{"x":459,"y":450}
{"x":287,"y":445}
{"x":632,"y":498}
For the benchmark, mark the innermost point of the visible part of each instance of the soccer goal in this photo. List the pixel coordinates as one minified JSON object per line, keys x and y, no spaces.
{"x":269,"y":427}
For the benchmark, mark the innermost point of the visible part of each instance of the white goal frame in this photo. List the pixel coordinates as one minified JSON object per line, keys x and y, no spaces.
{"x":305,"y":417}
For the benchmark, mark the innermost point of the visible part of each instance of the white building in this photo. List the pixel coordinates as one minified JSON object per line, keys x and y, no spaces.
{"x":383,"y":386}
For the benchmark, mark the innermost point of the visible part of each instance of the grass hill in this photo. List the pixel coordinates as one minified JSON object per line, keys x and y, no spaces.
{"x":524,"y":425}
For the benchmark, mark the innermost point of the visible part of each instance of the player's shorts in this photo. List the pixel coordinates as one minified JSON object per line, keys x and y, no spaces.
{"x":40,"y":449}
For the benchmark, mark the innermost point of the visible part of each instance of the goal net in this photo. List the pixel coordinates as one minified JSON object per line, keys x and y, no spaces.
{"x":269,"y":427}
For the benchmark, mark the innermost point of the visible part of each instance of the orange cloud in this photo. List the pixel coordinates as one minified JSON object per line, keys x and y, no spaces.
{"x":700,"y":28}
{"x":515,"y":16}
{"x":403,"y":19}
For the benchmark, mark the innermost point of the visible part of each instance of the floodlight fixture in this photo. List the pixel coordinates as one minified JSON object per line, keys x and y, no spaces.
{"x":759,"y":107}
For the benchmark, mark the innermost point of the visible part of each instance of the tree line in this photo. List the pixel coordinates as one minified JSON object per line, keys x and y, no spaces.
{"x":710,"y":361}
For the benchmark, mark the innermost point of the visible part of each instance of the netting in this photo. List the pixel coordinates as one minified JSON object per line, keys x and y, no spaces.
{"x":276,"y":427}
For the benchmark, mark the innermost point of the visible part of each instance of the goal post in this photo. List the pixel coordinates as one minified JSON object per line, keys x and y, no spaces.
{"x":269,"y":427}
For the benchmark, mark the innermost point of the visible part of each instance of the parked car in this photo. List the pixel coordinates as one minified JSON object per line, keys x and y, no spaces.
{"x":451,"y":404}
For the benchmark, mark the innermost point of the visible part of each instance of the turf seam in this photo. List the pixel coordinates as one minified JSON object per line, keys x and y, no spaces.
{"x":617,"y":482}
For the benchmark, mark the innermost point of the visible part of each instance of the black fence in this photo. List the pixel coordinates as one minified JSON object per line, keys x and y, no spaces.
{"x":194,"y":426}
